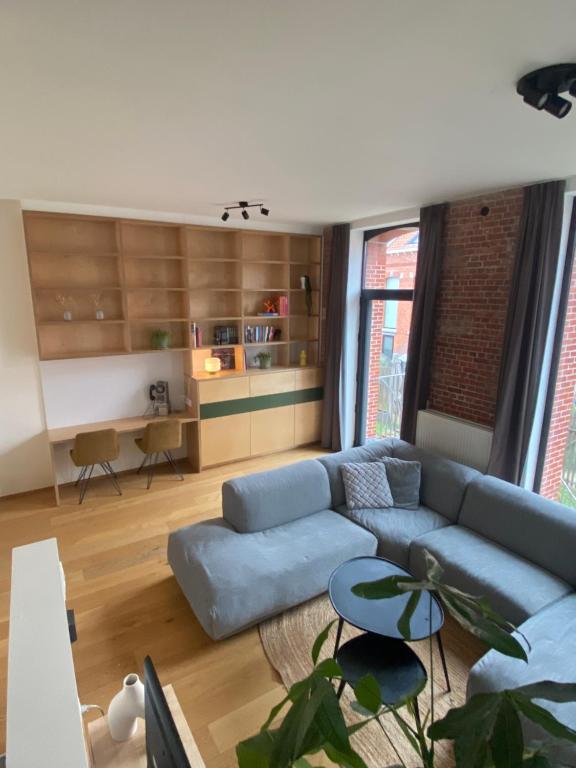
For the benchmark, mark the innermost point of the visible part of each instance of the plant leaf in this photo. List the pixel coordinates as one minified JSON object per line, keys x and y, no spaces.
{"x":283,"y":751}
{"x":348,"y":758}
{"x":255,"y":752}
{"x":407,"y":613}
{"x":382,"y":589}
{"x":478,"y":714}
{"x":537,"y":760}
{"x":507,"y":742}
{"x":330,"y":721}
{"x":328,"y":668}
{"x":368,"y":693}
{"x":320,"y":640}
{"x":542,"y":717}
{"x":549,"y":690}
{"x":318,"y":692}
{"x":274,"y":712}
{"x":434,"y":570}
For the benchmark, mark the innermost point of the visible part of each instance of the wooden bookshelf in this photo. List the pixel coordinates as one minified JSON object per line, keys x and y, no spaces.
{"x":146,"y":276}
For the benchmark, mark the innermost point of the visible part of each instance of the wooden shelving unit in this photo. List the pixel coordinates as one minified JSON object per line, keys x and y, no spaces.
{"x":145,"y":276}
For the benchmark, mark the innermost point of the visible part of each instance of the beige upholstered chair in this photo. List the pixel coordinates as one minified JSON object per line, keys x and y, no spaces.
{"x":160,"y":437}
{"x":91,"y":448}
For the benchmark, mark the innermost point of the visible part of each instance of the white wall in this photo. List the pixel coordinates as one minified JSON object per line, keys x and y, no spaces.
{"x":24,"y":454}
{"x":91,"y":389}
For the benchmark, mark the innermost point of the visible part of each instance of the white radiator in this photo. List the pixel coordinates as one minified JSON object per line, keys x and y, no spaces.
{"x":456,"y":439}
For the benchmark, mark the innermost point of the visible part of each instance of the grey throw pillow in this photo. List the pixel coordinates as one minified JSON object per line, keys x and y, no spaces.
{"x":366,"y":485}
{"x":404,"y":479}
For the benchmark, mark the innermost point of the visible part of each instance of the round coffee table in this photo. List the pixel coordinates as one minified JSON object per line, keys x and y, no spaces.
{"x":380,"y":617}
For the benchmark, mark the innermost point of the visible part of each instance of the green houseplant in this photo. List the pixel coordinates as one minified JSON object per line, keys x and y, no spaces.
{"x":160,"y":339}
{"x":485,"y":732}
{"x":264,"y":359}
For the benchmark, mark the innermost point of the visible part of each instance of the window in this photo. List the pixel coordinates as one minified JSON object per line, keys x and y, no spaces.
{"x":390,"y":257}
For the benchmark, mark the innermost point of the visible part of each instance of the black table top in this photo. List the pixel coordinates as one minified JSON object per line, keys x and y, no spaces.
{"x":380,"y":616}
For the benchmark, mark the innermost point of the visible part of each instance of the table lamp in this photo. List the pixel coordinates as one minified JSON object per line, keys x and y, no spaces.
{"x":212,"y":364}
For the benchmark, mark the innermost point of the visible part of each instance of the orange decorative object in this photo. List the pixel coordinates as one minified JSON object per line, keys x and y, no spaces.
{"x":270,"y":305}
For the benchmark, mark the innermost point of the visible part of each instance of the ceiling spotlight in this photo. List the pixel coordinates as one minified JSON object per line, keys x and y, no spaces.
{"x":557,"y":106}
{"x":245,"y":214}
{"x":541,"y":87}
{"x":264,"y":211}
{"x":243,"y":205}
{"x":225,"y":216}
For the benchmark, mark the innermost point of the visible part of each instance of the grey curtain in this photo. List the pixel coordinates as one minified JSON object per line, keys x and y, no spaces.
{"x":530,"y":304}
{"x":334,"y":334}
{"x":429,"y":267}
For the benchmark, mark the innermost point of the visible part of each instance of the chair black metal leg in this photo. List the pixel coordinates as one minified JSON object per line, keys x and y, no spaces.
{"x":109,"y":472}
{"x":111,"y":469}
{"x":338,"y":636}
{"x":81,"y":475}
{"x":172,"y":463}
{"x":443,"y":660}
{"x":141,"y":467}
{"x":151,"y":468}
{"x":84,"y":485}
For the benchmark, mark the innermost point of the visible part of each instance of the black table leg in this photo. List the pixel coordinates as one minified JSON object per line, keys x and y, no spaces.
{"x":443,"y":659}
{"x":417,"y":714}
{"x":338,"y":636}
{"x":341,"y":687}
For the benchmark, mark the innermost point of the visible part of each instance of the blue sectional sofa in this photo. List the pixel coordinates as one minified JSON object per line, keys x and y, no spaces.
{"x":284,"y":531}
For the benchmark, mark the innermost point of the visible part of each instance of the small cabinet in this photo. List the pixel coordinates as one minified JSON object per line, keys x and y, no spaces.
{"x":224,"y":439}
{"x":220,"y":390}
{"x":307,"y":422}
{"x":272,"y":430}
{"x":271,"y":383}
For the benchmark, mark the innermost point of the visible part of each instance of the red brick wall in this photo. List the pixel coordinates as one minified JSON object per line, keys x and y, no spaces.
{"x":472,"y":303}
{"x":563,"y":399}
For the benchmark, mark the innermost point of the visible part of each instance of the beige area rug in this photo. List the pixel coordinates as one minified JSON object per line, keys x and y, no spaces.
{"x":288,"y":640}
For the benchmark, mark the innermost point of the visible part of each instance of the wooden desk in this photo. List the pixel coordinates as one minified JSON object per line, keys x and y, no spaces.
{"x":131,"y":424}
{"x":106,"y":753}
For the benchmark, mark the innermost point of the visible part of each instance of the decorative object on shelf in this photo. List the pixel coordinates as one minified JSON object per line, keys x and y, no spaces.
{"x":243,"y":205}
{"x":125,"y":709}
{"x":303,"y":358}
{"x":541,"y":87}
{"x":160,"y":339}
{"x":264,"y":359}
{"x":306,"y":285}
{"x":227,"y":358}
{"x":65,"y":302}
{"x":97,"y":301}
{"x":275,"y":306}
{"x":212,"y":365}
{"x":270,"y":307}
{"x":225,"y":334}
{"x":195,"y":336}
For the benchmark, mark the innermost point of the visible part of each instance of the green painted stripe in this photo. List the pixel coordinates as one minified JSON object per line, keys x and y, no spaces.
{"x":261,"y":403}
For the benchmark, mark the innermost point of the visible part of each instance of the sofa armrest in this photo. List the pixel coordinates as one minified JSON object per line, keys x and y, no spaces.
{"x":267,"y":499}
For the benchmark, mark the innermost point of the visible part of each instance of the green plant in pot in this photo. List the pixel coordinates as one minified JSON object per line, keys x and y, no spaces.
{"x":485,"y":732}
{"x":160,"y":339}
{"x":264,"y":359}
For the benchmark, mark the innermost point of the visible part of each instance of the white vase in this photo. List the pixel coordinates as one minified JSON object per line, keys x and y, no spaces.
{"x":125,"y":709}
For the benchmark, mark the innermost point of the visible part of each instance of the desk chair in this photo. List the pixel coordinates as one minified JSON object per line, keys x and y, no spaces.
{"x":160,"y":437}
{"x":91,"y":448}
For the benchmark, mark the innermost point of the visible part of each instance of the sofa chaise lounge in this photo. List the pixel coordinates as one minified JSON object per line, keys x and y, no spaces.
{"x":284,"y":531}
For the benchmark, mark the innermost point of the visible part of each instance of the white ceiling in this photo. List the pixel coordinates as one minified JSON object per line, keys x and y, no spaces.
{"x":329,"y":110}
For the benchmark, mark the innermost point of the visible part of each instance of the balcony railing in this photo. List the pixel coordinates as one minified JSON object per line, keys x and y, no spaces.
{"x":390,"y":394}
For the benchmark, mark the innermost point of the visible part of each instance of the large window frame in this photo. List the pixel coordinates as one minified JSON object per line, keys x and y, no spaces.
{"x":368,"y":295}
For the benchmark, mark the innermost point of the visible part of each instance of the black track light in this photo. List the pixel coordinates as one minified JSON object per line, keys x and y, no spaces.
{"x":557,"y":106}
{"x":245,"y":214}
{"x":534,"y":97}
{"x":243,"y":205}
{"x":264,"y":211}
{"x":225,"y":216}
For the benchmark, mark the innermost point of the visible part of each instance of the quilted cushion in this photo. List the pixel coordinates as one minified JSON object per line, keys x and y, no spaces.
{"x":366,"y":486}
{"x":404,"y":480}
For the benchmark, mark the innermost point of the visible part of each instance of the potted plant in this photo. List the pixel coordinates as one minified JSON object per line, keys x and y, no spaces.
{"x":486,"y":732}
{"x":264,"y":359}
{"x":160,"y":339}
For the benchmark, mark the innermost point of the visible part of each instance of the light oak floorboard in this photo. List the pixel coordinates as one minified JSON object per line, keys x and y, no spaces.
{"x":128,"y":604}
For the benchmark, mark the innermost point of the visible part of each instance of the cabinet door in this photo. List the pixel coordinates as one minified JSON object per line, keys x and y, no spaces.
{"x":272,"y":430}
{"x":309,"y":378}
{"x":271,"y":383}
{"x":307,"y":422}
{"x":226,"y":438}
{"x":219,"y":390}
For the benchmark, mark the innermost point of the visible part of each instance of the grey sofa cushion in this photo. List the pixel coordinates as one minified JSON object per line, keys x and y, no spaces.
{"x":266,"y":499}
{"x":332,"y":463}
{"x":514,"y":587}
{"x":540,"y":530}
{"x":552,"y":636}
{"x":233,"y":580}
{"x":443,"y":483}
{"x":395,"y":528}
{"x":404,"y":478}
{"x":366,"y":485}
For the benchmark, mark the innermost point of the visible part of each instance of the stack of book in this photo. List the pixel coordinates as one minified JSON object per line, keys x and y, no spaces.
{"x":254,"y":334}
{"x":225,"y":334}
{"x":195,"y":335}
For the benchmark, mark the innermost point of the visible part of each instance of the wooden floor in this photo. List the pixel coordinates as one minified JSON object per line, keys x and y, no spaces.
{"x":128,"y":604}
